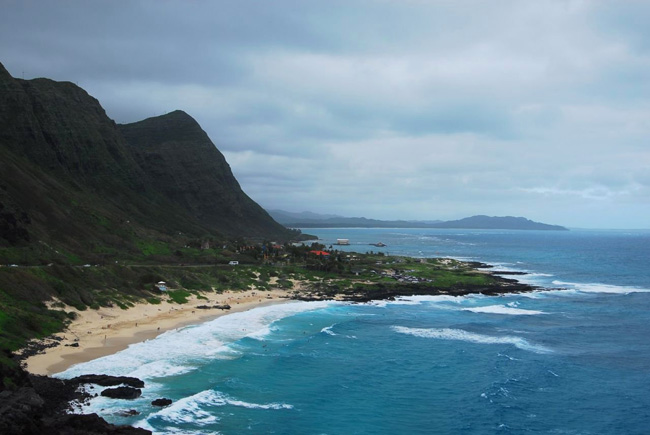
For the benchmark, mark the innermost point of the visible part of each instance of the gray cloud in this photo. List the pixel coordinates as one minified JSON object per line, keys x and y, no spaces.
{"x":378,"y":108}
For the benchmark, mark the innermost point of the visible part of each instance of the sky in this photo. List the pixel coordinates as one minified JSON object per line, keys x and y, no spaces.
{"x":385,"y":109}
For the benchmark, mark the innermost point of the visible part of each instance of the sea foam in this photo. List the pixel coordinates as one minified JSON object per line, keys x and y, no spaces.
{"x":505,"y":310}
{"x":470,"y":337}
{"x":196,"y":410}
{"x":601,"y":288}
{"x":183,"y":350}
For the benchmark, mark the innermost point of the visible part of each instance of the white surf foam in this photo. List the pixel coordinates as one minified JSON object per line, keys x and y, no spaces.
{"x":505,"y":310}
{"x":461,"y":335}
{"x":328,"y":330}
{"x":188,"y":410}
{"x":435,"y":299}
{"x":195,"y":409}
{"x":182,"y":350}
{"x":601,"y":288}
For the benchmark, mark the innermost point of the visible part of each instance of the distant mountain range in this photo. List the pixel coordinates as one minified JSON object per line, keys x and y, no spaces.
{"x":314,"y":220}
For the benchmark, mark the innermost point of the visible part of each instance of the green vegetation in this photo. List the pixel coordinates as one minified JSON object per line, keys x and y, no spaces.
{"x":154,"y":248}
{"x":179,"y":296}
{"x":25,"y":289}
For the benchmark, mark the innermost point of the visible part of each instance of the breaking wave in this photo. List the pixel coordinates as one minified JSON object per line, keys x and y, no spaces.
{"x":504,"y":309}
{"x":470,"y":337}
{"x":601,"y":288}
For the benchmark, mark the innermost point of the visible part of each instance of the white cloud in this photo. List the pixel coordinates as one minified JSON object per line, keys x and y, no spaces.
{"x":379,"y":108}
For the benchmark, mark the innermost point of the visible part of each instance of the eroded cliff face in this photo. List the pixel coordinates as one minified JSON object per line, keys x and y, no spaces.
{"x":181,"y":162}
{"x":68,"y":175}
{"x":62,"y":129}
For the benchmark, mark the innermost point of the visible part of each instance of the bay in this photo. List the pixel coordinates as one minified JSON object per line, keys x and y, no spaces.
{"x":572,"y":357}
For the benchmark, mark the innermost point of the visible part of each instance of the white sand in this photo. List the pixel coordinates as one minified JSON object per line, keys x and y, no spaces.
{"x":109,"y":330}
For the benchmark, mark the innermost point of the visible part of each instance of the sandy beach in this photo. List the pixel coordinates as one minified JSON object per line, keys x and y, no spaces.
{"x":109,"y":330}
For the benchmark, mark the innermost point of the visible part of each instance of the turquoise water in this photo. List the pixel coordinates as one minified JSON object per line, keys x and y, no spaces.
{"x":571,"y":359}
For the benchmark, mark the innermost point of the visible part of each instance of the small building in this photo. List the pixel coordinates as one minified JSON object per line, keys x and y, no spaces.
{"x":320,"y":253}
{"x":162,"y":286}
{"x":233,"y":263}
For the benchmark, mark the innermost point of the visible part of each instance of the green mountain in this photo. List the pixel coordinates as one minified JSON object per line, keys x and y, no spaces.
{"x":499,"y":223}
{"x":75,"y":186}
{"x":183,"y":165}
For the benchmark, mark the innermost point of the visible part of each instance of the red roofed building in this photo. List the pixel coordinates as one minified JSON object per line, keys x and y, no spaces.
{"x":320,"y":253}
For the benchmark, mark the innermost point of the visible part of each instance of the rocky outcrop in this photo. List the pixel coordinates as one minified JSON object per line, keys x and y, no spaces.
{"x":128,"y":393}
{"x":38,"y":405}
{"x":88,"y":424}
{"x":162,"y":402}
{"x":108,"y":381}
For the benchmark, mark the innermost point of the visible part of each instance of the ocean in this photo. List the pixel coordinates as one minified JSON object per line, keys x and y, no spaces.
{"x":571,"y":358}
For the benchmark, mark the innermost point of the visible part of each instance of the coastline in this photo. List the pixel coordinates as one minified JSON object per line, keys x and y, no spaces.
{"x":97,"y":333}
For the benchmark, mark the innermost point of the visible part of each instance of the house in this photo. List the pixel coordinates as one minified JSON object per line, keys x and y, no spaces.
{"x":320,"y":253}
{"x":162,"y":286}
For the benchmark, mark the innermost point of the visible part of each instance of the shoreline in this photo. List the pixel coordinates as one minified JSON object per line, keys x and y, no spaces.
{"x":97,"y":333}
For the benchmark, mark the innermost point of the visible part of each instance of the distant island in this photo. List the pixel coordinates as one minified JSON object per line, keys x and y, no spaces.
{"x":315,"y":220}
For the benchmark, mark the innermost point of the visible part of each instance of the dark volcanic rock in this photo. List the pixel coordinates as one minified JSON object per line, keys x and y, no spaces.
{"x":216,"y":307}
{"x":18,"y":410}
{"x":128,"y":413}
{"x":38,"y":405}
{"x":162,"y":402}
{"x":122,"y":393}
{"x":88,"y":424}
{"x":108,"y":381}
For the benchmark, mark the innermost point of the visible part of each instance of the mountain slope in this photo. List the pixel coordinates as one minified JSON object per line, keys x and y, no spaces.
{"x":498,"y":223}
{"x":72,"y":186}
{"x":181,"y":162}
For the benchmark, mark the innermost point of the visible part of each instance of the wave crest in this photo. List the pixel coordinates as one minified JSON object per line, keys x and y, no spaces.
{"x":470,"y":337}
{"x":195,"y":409}
{"x":503,"y":309}
{"x":601,"y":288}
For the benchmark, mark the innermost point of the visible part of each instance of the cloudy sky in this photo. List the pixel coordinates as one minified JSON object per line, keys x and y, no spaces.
{"x":388,"y":109}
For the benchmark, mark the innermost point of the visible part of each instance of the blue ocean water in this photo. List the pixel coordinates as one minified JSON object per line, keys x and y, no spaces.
{"x":572,"y":358}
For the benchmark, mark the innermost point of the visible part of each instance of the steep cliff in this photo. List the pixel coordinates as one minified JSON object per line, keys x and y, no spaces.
{"x":181,"y":162}
{"x":71,"y":186}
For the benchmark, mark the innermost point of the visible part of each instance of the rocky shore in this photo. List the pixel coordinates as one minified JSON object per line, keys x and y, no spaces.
{"x":39,"y":405}
{"x":382,"y":291}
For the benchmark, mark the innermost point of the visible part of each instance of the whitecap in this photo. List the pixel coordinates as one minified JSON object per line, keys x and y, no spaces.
{"x":434,"y":300}
{"x":508,"y":357}
{"x":328,"y":330}
{"x":188,"y":410}
{"x":195,"y":409}
{"x":601,"y":288}
{"x":470,"y":337}
{"x":505,"y":310}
